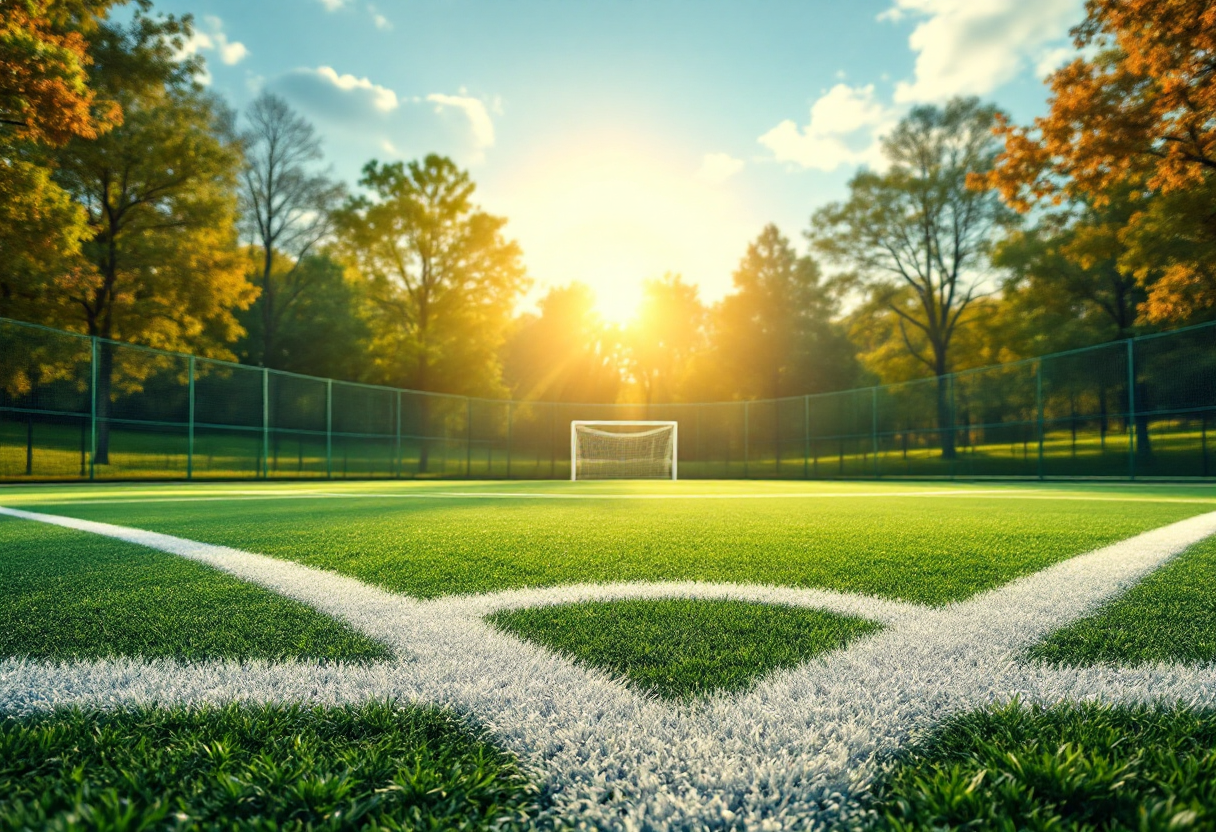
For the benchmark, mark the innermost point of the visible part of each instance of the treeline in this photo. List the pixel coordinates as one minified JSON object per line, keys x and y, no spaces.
{"x":137,"y":205}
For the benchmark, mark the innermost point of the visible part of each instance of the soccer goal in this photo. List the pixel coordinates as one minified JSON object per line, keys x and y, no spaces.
{"x":623,"y":450}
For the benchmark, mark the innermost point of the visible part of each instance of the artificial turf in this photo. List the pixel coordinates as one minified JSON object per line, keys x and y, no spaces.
{"x":425,"y":540}
{"x":1170,"y":616}
{"x":682,"y":647}
{"x":267,"y":768}
{"x":1085,"y":767}
{"x":66,"y":594}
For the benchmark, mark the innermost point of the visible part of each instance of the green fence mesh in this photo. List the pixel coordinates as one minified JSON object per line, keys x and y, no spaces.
{"x":74,"y":407}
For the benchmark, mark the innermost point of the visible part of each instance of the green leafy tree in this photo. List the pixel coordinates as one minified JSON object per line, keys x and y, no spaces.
{"x":326,"y":334}
{"x":668,"y":333}
{"x":160,"y":265}
{"x":1067,"y":274}
{"x":566,"y":353}
{"x":287,"y":208}
{"x":916,"y":238}
{"x":773,"y":336}
{"x":442,"y":280}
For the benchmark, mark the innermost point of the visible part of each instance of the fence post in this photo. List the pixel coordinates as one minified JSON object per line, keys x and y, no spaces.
{"x":190,"y":433}
{"x":510,"y":426}
{"x":329,"y":428}
{"x":1131,"y":408}
{"x":874,"y":428}
{"x":806,"y":437}
{"x":92,"y":406}
{"x":468,"y":438}
{"x":746,"y":440}
{"x":265,"y":422}
{"x":1038,"y":400}
{"x":397,"y":450}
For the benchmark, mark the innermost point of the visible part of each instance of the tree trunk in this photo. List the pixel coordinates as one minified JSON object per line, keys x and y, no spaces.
{"x":105,"y":384}
{"x":945,"y":411}
{"x":268,"y":311}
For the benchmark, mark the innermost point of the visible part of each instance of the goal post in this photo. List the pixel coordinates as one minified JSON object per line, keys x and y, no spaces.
{"x":608,"y":449}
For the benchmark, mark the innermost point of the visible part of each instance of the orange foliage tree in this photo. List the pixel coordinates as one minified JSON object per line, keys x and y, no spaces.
{"x":1138,"y":106}
{"x":44,"y":92}
{"x":45,"y":101}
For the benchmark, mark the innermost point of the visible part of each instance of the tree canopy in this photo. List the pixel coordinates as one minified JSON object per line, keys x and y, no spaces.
{"x":1136,"y":109}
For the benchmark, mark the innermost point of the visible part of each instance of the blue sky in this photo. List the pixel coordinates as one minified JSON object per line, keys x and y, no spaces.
{"x":627,"y":138}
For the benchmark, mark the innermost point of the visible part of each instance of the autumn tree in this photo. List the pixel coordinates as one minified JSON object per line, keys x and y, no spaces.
{"x":45,"y":101}
{"x":916,"y":238}
{"x":1137,"y":106}
{"x":773,"y":335}
{"x":287,"y":208}
{"x":669,"y":330}
{"x":160,"y":265}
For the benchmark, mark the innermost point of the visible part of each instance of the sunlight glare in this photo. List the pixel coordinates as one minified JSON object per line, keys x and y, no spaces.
{"x":612,"y":216}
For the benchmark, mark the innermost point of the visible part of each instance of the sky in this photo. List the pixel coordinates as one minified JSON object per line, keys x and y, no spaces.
{"x":624,"y":139}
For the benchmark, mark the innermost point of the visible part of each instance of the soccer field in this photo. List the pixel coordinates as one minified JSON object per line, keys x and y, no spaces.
{"x":623,"y":655}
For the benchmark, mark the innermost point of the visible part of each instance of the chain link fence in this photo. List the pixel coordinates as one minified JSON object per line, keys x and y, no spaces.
{"x":79,"y":408}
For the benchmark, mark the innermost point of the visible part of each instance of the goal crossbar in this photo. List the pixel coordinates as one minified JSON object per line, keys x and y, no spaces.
{"x":595,"y":427}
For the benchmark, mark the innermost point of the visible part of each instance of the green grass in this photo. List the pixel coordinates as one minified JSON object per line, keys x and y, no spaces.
{"x":1169,"y":617}
{"x":68,"y":594}
{"x":410,"y":539}
{"x":1089,"y":767}
{"x":256,"y":768}
{"x":680,"y":647}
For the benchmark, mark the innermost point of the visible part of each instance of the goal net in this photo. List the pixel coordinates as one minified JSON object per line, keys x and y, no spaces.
{"x":623,"y":450}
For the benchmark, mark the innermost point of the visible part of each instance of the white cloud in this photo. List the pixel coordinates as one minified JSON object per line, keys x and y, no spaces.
{"x":381,"y":22}
{"x":474,"y":109}
{"x":382,"y":98}
{"x":844,"y":127}
{"x":333,"y":5}
{"x":716,"y":168}
{"x":1053,"y":59}
{"x":212,"y":39}
{"x":390,"y":148}
{"x":971,"y":47}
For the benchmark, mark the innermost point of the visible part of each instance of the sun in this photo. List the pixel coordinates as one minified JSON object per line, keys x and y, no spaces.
{"x":614,"y":214}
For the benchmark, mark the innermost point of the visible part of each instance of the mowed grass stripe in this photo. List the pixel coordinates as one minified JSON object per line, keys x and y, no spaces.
{"x":684,"y":647}
{"x":66,"y":594}
{"x":920,"y":549}
{"x":1170,"y":616}
{"x":374,"y":766}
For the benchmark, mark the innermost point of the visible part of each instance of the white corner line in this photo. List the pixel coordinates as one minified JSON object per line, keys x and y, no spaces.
{"x":787,"y":753}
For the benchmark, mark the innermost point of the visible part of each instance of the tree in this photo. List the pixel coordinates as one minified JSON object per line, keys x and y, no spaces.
{"x":773,"y":336}
{"x":564,"y":354}
{"x":1067,"y":275}
{"x":441,"y":278}
{"x":1138,"y":106}
{"x":668,"y":332}
{"x":45,"y":100}
{"x":326,"y":333}
{"x":287,"y":207}
{"x":917,"y":238}
{"x":160,"y":266}
{"x":45,"y":95}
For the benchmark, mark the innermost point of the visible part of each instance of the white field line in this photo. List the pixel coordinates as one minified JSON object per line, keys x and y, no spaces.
{"x":800,"y":744}
{"x":328,"y":495}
